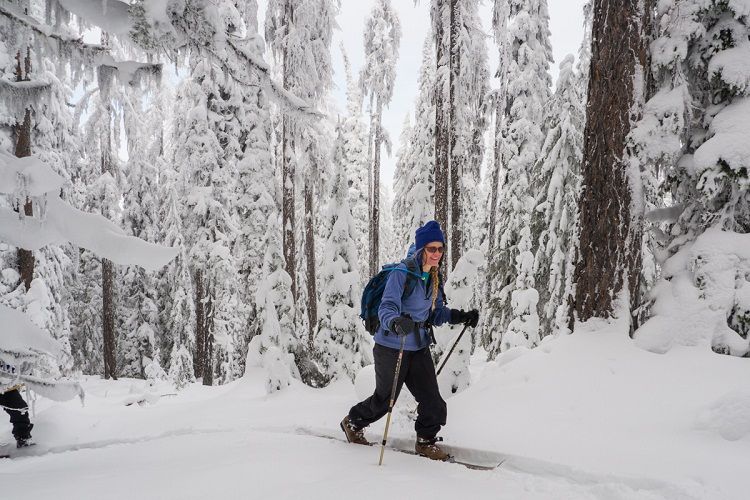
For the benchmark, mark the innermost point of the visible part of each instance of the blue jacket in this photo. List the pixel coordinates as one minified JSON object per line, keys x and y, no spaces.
{"x":417,"y":305}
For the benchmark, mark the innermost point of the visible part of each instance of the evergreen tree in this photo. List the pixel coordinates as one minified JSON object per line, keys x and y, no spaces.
{"x":469,"y":87}
{"x":274,"y":348}
{"x":382,"y":37}
{"x":343,"y":344}
{"x":209,"y":223}
{"x":510,"y":263}
{"x":138,"y":349}
{"x":556,"y":183}
{"x":611,"y":202}
{"x":413,"y":201}
{"x":353,"y":156}
{"x":460,"y":292}
{"x":177,"y":311}
{"x":402,"y":175}
{"x":300,"y":33}
{"x":689,"y":139}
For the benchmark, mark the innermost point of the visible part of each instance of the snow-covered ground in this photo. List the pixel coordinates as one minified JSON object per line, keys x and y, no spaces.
{"x":584,"y":416}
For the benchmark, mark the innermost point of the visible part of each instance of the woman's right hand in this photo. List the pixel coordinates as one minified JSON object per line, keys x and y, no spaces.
{"x":403,"y":325}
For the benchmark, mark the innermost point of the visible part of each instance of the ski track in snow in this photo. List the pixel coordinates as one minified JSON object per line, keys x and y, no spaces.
{"x":517,"y":465}
{"x":535,"y":477}
{"x":40,"y":451}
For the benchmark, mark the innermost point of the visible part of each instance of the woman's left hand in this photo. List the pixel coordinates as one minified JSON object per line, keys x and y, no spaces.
{"x":468,"y":318}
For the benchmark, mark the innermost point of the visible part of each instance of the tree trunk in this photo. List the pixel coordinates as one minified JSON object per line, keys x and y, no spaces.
{"x":287,"y":169}
{"x":610,"y":233}
{"x":200,"y":326}
{"x":108,"y":320}
{"x":23,"y":149}
{"x":208,"y":336}
{"x":375,"y":215}
{"x":370,"y":227}
{"x":455,"y":240}
{"x":108,"y":295}
{"x":287,"y":207}
{"x":442,"y":138}
{"x":312,"y":292}
{"x":494,"y":195}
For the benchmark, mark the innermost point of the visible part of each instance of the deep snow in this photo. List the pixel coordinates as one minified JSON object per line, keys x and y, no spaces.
{"x":588,"y":415}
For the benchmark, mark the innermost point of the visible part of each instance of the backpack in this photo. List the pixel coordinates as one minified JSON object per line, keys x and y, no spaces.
{"x":372,"y":295}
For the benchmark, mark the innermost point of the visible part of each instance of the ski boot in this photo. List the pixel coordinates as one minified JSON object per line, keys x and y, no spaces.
{"x":353,"y":433}
{"x":428,"y":448}
{"x":22,"y":433}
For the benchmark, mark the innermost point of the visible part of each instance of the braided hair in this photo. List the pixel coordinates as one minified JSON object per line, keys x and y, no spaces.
{"x":435,"y":279}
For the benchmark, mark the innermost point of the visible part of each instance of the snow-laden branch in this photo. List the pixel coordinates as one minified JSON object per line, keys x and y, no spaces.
{"x":64,"y":223}
{"x":129,"y":71}
{"x":282,"y":96}
{"x":22,"y":338}
{"x":186,"y":24}
{"x":69,"y":40}
{"x":22,"y":342}
{"x":61,"y":223}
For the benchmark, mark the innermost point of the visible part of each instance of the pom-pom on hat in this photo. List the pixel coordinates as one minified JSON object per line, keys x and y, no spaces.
{"x":428,"y":233}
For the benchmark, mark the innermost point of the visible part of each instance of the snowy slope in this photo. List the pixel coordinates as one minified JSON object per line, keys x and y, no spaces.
{"x":584,"y":416}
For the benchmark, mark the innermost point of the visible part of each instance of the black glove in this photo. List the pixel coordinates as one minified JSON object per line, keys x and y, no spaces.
{"x":469,"y":318}
{"x":403,"y":325}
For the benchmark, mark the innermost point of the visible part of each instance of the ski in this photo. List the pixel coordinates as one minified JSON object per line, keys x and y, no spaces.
{"x":10,"y":451}
{"x":401,"y":445}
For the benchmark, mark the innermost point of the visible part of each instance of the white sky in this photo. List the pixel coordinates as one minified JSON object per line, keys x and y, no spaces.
{"x":566,"y":25}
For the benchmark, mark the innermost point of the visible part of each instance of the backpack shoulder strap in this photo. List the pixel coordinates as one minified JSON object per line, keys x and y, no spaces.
{"x":413,"y":276}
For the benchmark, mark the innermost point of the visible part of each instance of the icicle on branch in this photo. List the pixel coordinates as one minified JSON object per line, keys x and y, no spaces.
{"x":67,"y":40}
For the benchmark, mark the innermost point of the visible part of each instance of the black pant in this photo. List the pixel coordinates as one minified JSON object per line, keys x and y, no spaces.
{"x":418,"y":372}
{"x":16,"y":407}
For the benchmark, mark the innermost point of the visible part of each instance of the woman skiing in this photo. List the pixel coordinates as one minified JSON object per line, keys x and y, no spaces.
{"x":410,"y":316}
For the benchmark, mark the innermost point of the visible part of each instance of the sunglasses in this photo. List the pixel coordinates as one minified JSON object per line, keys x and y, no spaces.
{"x":434,"y":249}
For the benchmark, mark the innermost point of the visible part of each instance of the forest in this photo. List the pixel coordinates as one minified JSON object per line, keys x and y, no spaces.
{"x":182,"y":203}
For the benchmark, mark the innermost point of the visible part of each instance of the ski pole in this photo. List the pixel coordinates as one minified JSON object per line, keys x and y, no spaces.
{"x":393,"y":398}
{"x":445,"y":360}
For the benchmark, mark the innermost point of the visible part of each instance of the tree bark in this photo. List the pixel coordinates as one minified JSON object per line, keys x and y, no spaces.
{"x":208,"y":335}
{"x":442,"y":138}
{"x":108,"y":320}
{"x":610,"y":233}
{"x":23,"y":149}
{"x":312,"y":291}
{"x":200,"y":326}
{"x":375,"y":207}
{"x":288,"y":172}
{"x":287,"y":206}
{"x":455,"y":240}
{"x":108,"y":300}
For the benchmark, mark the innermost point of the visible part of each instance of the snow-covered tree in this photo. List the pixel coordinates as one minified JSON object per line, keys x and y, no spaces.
{"x":299,"y":34}
{"x":382,"y":36}
{"x":556,"y":184}
{"x":177,"y":309}
{"x":469,"y":87}
{"x":528,"y":84}
{"x":35,"y":118}
{"x":413,"y":200}
{"x":353,"y":155}
{"x":460,"y":292}
{"x":343,"y":345}
{"x":691,"y":131}
{"x":138,"y":349}
{"x":209,"y":223}
{"x":25,"y":350}
{"x":611,"y":201}
{"x":275,"y":346}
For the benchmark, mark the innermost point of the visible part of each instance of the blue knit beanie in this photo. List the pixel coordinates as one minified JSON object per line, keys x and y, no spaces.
{"x":428,"y":233}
